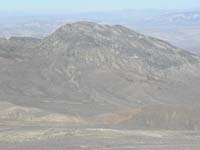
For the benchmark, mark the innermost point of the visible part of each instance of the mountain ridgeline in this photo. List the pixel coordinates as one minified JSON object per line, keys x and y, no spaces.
{"x":94,"y":71}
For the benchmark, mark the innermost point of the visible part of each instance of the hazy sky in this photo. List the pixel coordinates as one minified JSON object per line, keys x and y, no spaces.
{"x":93,"y":5}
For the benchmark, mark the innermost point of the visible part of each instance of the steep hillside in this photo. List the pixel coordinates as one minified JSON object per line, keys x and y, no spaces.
{"x":88,"y":69}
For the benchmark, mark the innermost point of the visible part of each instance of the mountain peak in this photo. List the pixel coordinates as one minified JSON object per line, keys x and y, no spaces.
{"x":87,"y":64}
{"x":91,"y":39}
{"x":91,"y":28}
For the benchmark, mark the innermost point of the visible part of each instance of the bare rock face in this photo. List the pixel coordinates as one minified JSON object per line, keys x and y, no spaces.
{"x":90,"y":69}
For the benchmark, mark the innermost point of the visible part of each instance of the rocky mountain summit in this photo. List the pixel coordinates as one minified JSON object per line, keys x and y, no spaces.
{"x":92,"y":70}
